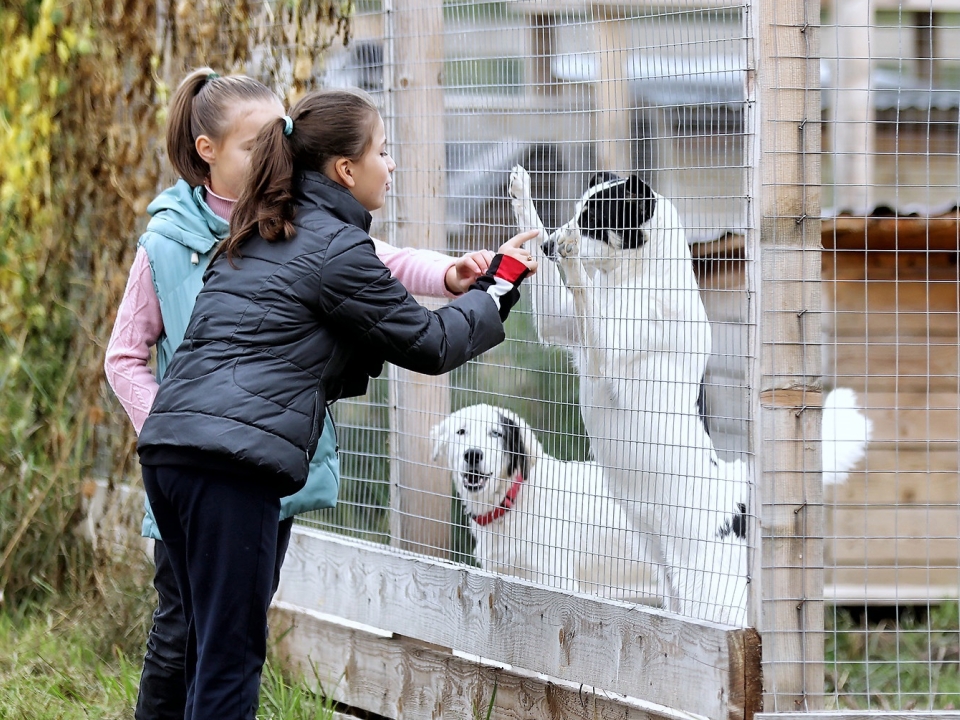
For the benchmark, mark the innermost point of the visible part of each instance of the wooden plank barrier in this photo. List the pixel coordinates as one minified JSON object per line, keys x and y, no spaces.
{"x":662,"y":662}
{"x":396,"y":677}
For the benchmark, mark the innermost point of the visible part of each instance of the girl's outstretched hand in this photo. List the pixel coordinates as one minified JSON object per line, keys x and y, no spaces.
{"x":514,"y":247}
{"x":509,"y":267}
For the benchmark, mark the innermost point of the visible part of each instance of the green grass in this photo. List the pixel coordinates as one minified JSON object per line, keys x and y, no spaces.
{"x":282,"y":698}
{"x":895,"y":661}
{"x":477,"y":713}
{"x":76,"y":658}
{"x":80,"y":658}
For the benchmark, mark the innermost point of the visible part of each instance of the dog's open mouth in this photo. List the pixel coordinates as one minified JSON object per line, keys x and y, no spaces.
{"x":474,"y":481}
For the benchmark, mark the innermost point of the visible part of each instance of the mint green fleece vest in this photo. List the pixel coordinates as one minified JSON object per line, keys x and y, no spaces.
{"x":180,"y":239}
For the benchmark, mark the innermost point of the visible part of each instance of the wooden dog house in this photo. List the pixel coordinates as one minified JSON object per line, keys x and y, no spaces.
{"x":891,"y":332}
{"x":890,"y":322}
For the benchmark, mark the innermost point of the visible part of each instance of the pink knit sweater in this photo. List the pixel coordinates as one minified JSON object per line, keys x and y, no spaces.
{"x":139,"y":325}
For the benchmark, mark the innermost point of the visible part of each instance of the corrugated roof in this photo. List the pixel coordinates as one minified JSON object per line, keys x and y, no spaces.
{"x":684,"y":80}
{"x":893,"y":90}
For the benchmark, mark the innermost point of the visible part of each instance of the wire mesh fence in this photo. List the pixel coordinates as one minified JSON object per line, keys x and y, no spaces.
{"x":657,"y":92}
{"x":890,"y":323}
{"x":644,"y":468}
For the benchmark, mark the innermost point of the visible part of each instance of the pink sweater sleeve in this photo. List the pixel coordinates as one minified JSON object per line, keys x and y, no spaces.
{"x":422,"y":272}
{"x":137,"y":328}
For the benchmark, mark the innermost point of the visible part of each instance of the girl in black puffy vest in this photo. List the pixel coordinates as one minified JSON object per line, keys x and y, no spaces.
{"x":296,"y":311}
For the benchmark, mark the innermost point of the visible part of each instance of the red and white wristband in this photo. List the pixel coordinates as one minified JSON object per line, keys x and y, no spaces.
{"x":502,"y":278}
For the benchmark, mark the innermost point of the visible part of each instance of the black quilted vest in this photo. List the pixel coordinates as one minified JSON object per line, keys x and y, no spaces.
{"x":295,"y":325}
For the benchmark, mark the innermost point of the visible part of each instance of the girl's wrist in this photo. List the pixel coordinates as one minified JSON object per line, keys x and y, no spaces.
{"x":451,"y":281}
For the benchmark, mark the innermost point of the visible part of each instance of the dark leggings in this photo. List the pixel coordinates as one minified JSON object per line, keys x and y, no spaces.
{"x":163,"y":682}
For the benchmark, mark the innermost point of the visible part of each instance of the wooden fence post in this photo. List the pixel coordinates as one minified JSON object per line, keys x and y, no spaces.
{"x":420,"y":491}
{"x":614,"y":99}
{"x":785,"y":245}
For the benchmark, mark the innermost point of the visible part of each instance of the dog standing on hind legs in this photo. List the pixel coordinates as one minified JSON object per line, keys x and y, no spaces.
{"x":640,"y":341}
{"x":628,"y":309}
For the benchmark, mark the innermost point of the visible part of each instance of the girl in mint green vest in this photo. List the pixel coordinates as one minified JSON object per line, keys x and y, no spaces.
{"x":212,"y":123}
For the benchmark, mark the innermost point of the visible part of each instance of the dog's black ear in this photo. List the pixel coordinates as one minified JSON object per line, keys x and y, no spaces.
{"x":517,"y":460}
{"x":639,"y":191}
{"x":639,"y":204}
{"x":600,"y":178}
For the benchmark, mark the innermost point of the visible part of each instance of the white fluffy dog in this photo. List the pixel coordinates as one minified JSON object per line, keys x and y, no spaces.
{"x":629,"y":311}
{"x":540,"y":518}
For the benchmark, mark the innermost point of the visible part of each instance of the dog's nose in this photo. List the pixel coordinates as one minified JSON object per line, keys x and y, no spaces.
{"x":549,"y":248}
{"x":473,"y":457}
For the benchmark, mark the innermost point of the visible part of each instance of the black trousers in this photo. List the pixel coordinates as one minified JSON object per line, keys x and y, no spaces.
{"x":216,"y":571}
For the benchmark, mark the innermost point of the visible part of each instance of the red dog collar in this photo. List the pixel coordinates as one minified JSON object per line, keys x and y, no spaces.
{"x":500,"y":510}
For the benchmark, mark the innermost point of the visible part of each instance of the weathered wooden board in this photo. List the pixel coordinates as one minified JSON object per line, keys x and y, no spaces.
{"x":896,"y":367}
{"x":889,"y":293}
{"x":785,"y":244}
{"x":857,"y":585}
{"x":640,"y":652}
{"x":901,"y":479}
{"x":914,"y":417}
{"x":890,"y":536}
{"x":878,"y":328}
{"x":396,"y":677}
{"x":936,"y":324}
{"x":566,"y":6}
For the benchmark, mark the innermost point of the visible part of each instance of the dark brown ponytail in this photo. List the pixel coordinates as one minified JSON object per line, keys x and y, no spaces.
{"x":326,"y":125}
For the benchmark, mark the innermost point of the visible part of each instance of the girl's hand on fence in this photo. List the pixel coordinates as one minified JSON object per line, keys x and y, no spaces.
{"x":502,"y":279}
{"x":465,"y":271}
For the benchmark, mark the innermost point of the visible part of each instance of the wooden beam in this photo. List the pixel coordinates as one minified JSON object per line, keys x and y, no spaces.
{"x":614,"y":99}
{"x":569,"y":6}
{"x":925,"y":40}
{"x":539,"y":79}
{"x":905,"y":5}
{"x":889,"y":586}
{"x":785,"y":247}
{"x":940,"y":233}
{"x":582,"y":6}
{"x":863,"y":715}
{"x":893,"y":233}
{"x":632,"y":650}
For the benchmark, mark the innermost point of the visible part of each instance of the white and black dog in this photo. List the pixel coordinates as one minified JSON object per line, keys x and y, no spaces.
{"x":540,"y":518}
{"x":629,"y":311}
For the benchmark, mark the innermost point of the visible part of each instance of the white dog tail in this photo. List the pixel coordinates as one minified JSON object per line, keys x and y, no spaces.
{"x":846,"y":431}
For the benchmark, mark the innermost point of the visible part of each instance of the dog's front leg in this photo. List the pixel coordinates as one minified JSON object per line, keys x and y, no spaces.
{"x":521,"y":198}
{"x":553,"y":310}
{"x":566,"y":245}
